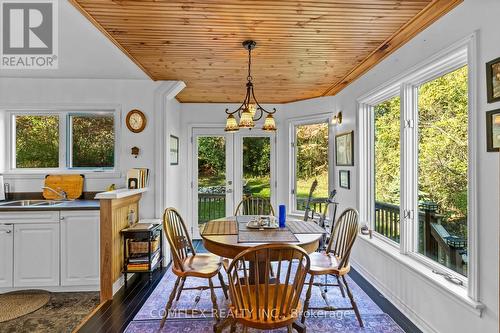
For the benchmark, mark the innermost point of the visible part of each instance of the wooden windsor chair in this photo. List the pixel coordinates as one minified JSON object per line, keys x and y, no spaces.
{"x":188,"y":263}
{"x":335,"y":261}
{"x":254,"y":206}
{"x":329,"y":204}
{"x":270,"y":302}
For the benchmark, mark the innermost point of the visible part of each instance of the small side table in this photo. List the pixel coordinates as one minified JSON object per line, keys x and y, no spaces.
{"x":146,"y":236}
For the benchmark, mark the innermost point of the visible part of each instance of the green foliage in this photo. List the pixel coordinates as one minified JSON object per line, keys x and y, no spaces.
{"x":312,"y":150}
{"x":37,"y":141}
{"x":93,"y":141}
{"x":387,"y":153}
{"x":256,"y":157}
{"x":442,"y":146}
{"x":211,"y":156}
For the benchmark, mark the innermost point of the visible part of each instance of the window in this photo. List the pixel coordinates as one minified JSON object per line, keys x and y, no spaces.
{"x":417,"y":185}
{"x":442,"y":169}
{"x":92,"y":141}
{"x":310,"y":157}
{"x":63,"y":140}
{"x":387,"y":166}
{"x":37,"y":141}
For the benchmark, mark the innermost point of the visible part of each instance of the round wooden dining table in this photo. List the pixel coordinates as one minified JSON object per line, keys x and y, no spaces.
{"x":224,"y":241}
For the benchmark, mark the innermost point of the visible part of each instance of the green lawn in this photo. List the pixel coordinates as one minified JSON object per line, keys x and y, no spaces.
{"x":304,"y":185}
{"x":207,"y":181}
{"x":260,"y":186}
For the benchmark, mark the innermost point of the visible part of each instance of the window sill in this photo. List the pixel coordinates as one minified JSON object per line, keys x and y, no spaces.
{"x":40,"y":174}
{"x":455,"y":292}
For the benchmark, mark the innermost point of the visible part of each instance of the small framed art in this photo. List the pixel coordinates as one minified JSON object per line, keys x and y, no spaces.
{"x":493,"y":130}
{"x":493,"y":80}
{"x":345,"y":179}
{"x":174,"y":150}
{"x":344,"y":149}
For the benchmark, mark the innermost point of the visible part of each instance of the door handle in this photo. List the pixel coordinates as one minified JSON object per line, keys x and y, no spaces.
{"x":229,"y":191}
{"x":7,"y":231}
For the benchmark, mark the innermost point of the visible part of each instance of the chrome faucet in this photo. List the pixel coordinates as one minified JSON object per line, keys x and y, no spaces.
{"x":62,"y":195}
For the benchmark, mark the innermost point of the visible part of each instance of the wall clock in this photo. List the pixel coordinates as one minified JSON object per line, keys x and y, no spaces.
{"x":136,"y":121}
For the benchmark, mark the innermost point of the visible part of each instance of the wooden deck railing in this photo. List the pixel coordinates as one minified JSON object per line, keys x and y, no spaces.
{"x":387,"y":220}
{"x":317,"y":204}
{"x":211,"y":206}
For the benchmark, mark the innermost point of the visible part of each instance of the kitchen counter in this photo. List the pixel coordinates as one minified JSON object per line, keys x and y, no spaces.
{"x":65,"y":205}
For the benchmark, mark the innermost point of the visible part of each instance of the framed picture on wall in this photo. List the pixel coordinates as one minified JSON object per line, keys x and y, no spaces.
{"x":345,"y":179}
{"x":344,"y":149}
{"x":493,"y":130}
{"x":174,"y":150}
{"x":493,"y":80}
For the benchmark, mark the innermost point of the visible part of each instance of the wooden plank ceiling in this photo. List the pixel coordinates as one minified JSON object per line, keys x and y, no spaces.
{"x":304,"y":49}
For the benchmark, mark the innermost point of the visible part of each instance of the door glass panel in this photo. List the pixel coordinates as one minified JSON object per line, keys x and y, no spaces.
{"x":311,"y":164}
{"x":442,"y":169}
{"x":257,"y":167}
{"x":211,"y":178}
{"x":387,"y":168}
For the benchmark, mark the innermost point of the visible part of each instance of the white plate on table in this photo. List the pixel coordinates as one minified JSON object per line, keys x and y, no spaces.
{"x":263,"y":222}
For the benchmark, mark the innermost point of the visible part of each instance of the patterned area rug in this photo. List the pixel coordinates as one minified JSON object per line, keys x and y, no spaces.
{"x":148,"y":317}
{"x":61,"y":314}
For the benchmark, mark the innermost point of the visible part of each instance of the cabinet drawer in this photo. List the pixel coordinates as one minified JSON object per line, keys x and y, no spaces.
{"x":16,"y":217}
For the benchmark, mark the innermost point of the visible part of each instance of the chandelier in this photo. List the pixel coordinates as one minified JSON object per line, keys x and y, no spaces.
{"x":250,"y":110}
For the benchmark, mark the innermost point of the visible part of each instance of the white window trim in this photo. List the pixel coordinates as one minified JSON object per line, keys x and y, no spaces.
{"x":461,"y":53}
{"x":292,"y":123}
{"x":62,"y":111}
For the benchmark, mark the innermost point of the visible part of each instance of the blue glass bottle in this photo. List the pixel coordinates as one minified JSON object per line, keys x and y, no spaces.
{"x":282,"y":216}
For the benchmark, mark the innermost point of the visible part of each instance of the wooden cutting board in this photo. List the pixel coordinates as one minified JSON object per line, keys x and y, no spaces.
{"x":71,"y":184}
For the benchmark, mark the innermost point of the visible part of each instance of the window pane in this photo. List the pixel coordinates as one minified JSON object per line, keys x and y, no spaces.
{"x":311,"y":163}
{"x":257,"y":167}
{"x":93,"y":141}
{"x":37,"y":141}
{"x":211,"y":178}
{"x":442,"y":170}
{"x":387,"y":168}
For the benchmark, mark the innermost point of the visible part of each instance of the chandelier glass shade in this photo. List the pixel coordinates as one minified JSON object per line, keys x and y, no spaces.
{"x":250,"y":111}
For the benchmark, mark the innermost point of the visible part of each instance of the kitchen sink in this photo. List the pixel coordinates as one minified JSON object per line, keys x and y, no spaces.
{"x":28,"y":203}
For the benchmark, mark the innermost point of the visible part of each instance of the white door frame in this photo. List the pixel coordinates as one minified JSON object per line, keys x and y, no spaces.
{"x":234,"y":168}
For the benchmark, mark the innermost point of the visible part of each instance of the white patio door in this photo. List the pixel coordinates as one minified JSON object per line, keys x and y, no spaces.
{"x":226,"y":167}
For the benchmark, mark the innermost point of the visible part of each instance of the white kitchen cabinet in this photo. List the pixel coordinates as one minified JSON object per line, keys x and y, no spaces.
{"x":79,"y":248}
{"x":36,"y":254}
{"x":6,"y":255}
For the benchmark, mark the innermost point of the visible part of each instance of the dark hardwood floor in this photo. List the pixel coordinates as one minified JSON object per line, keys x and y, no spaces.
{"x":115,"y":315}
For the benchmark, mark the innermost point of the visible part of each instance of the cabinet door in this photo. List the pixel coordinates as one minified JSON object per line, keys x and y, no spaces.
{"x":6,"y":255}
{"x":36,"y":255}
{"x":79,"y":248}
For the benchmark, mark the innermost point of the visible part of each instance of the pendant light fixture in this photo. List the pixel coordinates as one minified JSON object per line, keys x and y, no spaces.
{"x":250,"y":110}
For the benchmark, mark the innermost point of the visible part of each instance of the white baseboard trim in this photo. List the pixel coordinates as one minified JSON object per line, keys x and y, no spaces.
{"x":56,"y":289}
{"x":120,"y":282}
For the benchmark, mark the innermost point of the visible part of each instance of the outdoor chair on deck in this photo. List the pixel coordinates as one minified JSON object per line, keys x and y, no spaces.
{"x":335,"y":261}
{"x":254,"y":206}
{"x":262,"y":301}
{"x":187,"y":263}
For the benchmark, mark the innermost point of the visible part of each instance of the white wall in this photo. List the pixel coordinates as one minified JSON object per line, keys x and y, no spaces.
{"x":127,"y":94}
{"x":84,"y":52}
{"x":175,"y":178}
